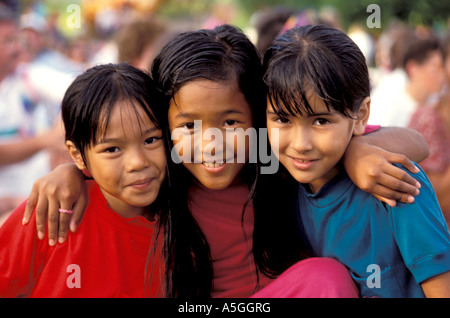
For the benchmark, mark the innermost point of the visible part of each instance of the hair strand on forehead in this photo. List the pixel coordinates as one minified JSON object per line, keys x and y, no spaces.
{"x":315,"y":59}
{"x":88,"y":102}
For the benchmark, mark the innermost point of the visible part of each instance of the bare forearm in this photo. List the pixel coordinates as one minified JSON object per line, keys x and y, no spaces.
{"x":437,"y":286}
{"x":404,"y":141}
{"x":20,"y":150}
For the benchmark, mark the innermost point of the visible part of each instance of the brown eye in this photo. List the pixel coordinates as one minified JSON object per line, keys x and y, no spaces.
{"x":151,"y":140}
{"x":282,"y":120}
{"x":190,"y":125}
{"x":230,"y":122}
{"x":321,"y":121}
{"x":112,"y":149}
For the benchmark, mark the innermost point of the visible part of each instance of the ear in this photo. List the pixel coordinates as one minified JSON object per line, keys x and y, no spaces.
{"x":362,"y":116}
{"x":76,"y":155}
{"x":411,"y":68}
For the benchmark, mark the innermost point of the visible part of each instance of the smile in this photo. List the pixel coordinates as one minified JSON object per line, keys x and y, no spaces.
{"x":141,"y":183}
{"x":213,"y":164}
{"x":302,"y":164}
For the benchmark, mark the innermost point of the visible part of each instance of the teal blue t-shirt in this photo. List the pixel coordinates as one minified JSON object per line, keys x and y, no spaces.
{"x":388,"y":251}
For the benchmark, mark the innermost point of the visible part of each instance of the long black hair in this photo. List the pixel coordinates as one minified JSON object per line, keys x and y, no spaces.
{"x":219,"y":55}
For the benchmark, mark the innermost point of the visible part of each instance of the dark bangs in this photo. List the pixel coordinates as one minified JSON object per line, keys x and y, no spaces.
{"x":89,"y":100}
{"x":221,"y":55}
{"x":302,"y":62}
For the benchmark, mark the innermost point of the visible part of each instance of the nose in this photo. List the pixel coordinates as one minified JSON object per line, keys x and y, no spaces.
{"x":212,"y":144}
{"x":136,"y":160}
{"x":301,"y":139}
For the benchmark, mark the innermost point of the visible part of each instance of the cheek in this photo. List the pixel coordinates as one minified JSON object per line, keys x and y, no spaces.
{"x":433,"y":79}
{"x":107,"y":175}
{"x":278,"y":138}
{"x":183,"y":145}
{"x":161,"y":162}
{"x":240,"y":143}
{"x":333,"y":147}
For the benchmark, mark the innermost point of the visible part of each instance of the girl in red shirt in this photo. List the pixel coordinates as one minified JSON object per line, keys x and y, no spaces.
{"x":113,"y":132}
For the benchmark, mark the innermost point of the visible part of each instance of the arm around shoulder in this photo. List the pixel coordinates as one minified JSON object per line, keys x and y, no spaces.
{"x":405,"y":141}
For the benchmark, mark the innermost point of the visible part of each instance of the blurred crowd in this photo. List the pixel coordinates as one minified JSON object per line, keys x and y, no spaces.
{"x":410,"y":70}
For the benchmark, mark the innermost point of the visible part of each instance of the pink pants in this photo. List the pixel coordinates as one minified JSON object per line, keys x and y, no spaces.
{"x":317,"y":277}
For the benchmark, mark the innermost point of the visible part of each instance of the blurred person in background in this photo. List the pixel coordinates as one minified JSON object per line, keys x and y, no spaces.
{"x":268,"y":24}
{"x":140,"y":40}
{"x":271,"y":22}
{"x":434,"y":124}
{"x":20,"y":93}
{"x":387,"y":58}
{"x":221,"y":13}
{"x":419,"y":81}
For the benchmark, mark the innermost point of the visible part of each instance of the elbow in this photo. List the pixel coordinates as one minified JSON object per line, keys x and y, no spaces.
{"x":424,"y":149}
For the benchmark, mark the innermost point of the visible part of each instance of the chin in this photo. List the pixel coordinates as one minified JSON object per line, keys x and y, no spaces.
{"x":216,"y":185}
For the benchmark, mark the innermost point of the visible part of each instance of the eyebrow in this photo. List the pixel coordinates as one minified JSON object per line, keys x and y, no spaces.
{"x":110,"y":140}
{"x":226,"y":112}
{"x":308,"y":115}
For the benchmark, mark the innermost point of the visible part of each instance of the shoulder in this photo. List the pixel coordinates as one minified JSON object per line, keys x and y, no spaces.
{"x":420,"y":176}
{"x":427,"y":198}
{"x":421,"y":232}
{"x":424,"y":213}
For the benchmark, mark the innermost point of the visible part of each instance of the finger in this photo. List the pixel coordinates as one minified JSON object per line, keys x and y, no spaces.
{"x":78,"y":213}
{"x":400,"y":181}
{"x":389,"y":202}
{"x":402,"y":175}
{"x":405,"y":162}
{"x":64,"y":221}
{"x":41,"y":216}
{"x":53,"y":220}
{"x":31,"y":204}
{"x":390,"y":194}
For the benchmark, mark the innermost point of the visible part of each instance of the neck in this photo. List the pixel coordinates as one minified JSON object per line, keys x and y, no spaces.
{"x":417,"y":93}
{"x":317,"y":184}
{"x":122,"y":208}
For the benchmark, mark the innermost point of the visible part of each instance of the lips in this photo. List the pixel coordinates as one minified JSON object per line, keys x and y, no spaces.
{"x":216,"y":167}
{"x":302,"y":163}
{"x":215,"y":164}
{"x":142,"y":183}
{"x":301,"y":160}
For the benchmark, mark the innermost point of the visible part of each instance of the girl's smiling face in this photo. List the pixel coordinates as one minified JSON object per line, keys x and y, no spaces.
{"x":217,"y":105}
{"x":311,"y":146}
{"x":128,"y":161}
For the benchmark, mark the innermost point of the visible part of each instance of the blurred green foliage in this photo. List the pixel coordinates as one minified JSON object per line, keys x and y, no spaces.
{"x":432,"y":13}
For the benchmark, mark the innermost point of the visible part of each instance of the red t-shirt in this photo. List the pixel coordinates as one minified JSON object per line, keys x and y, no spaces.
{"x":218,"y":214}
{"x":107,"y":257}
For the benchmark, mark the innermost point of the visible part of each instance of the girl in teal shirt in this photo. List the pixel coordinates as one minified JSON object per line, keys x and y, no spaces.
{"x":319,"y":98}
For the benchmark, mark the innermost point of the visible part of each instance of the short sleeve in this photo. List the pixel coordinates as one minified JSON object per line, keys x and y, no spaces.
{"x":421,"y":233}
